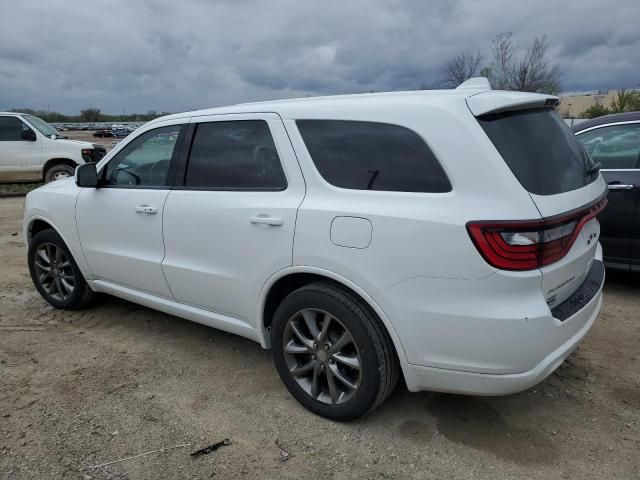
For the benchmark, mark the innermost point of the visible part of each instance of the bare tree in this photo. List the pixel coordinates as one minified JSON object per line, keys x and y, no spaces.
{"x":501,"y":70}
{"x":533,"y":72}
{"x":460,"y":69}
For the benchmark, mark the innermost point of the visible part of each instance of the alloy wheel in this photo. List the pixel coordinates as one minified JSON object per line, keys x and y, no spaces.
{"x":54,"y":271}
{"x":322,"y":356}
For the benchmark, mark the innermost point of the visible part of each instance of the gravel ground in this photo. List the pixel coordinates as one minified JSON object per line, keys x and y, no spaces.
{"x":79,"y":389}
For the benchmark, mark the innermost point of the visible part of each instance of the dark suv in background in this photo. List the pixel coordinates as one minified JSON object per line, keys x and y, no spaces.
{"x":614,"y":141}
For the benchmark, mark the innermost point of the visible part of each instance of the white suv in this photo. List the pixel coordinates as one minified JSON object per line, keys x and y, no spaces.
{"x":31,"y":150}
{"x":446,"y":236}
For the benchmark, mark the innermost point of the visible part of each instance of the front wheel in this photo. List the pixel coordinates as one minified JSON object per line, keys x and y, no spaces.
{"x":332,"y":352}
{"x":55,"y":274}
{"x":58,"y":172}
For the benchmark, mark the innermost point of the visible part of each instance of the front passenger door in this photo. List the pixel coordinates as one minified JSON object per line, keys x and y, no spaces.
{"x":120,"y":222}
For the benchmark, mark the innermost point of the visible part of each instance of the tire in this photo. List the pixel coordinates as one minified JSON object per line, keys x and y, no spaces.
{"x":369,"y":347}
{"x":58,"y":172}
{"x":48,"y":254}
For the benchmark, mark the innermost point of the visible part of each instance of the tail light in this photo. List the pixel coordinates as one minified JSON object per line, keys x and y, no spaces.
{"x":530,"y":244}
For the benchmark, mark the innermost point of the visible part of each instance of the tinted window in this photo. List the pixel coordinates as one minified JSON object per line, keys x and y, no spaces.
{"x":234,"y":155}
{"x":540,"y":149}
{"x":372,"y":156}
{"x":11,"y":129}
{"x":615,"y":147}
{"x":144,"y":162}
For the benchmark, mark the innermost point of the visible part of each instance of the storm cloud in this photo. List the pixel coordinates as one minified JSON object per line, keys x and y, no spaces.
{"x":173,"y":56}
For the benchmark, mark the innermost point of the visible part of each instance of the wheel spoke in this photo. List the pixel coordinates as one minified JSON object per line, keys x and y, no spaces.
{"x":65,"y":263}
{"x":59,"y":288}
{"x":50,"y":252}
{"x":348,"y":360}
{"x":300,"y":370}
{"x":47,"y":287}
{"x":68,"y":287}
{"x":291,"y":347}
{"x":312,"y":324}
{"x":333,"y":390}
{"x":340,"y":376}
{"x":315,"y":382}
{"x":42,"y":266}
{"x":305,"y":341}
{"x":325,"y":327}
{"x":344,"y":340}
{"x":58,"y":253}
{"x":42,"y":253}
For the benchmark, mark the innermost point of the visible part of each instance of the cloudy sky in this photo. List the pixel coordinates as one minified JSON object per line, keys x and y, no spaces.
{"x":141,"y":55}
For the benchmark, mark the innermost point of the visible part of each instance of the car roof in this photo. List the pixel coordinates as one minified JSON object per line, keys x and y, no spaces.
{"x":291,"y":108}
{"x":606,"y":119}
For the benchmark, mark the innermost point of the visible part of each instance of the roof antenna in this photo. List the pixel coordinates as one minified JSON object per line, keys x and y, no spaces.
{"x":475,"y":83}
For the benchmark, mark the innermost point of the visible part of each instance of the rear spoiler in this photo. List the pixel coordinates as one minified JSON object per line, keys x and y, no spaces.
{"x":495,"y":101}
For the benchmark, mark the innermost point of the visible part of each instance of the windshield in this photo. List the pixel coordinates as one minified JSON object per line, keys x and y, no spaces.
{"x":540,"y":150}
{"x":44,"y":128}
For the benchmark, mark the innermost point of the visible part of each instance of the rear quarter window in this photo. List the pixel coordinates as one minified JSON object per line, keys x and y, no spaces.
{"x":372,"y":156}
{"x":540,"y":149}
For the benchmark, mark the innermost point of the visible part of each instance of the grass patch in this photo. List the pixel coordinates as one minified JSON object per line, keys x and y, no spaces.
{"x":18,"y":187}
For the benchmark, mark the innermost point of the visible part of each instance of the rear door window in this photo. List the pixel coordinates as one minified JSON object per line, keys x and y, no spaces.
{"x":234,"y":155}
{"x":616,"y":147}
{"x":540,"y":149}
{"x":372,"y":156}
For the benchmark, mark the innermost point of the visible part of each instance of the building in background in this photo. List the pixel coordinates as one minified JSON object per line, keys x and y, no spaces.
{"x":573,"y":105}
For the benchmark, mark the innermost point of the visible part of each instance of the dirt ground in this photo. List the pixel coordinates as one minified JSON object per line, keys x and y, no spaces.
{"x":117,"y":380}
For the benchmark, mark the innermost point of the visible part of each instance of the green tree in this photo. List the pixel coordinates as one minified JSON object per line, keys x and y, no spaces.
{"x":626,"y":101}
{"x":595,"y":111}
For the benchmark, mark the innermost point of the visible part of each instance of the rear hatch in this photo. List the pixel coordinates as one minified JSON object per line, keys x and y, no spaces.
{"x":562,"y":181}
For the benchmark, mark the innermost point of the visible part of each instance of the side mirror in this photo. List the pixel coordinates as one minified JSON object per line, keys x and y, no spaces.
{"x":29,"y":135}
{"x":87,"y":176}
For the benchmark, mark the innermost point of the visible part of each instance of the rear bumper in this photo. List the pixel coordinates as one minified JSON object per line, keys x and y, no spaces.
{"x":420,"y":378}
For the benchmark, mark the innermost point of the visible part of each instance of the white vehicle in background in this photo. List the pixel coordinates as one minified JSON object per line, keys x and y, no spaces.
{"x":31,"y":150}
{"x":446,"y":236}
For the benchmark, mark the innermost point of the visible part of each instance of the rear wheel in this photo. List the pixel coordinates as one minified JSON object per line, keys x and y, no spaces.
{"x":58,"y":172}
{"x":332,"y":352}
{"x":55,"y":273}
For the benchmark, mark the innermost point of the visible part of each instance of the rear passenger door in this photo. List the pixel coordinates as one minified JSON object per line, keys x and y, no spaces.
{"x":229,"y":221}
{"x":617,"y":148}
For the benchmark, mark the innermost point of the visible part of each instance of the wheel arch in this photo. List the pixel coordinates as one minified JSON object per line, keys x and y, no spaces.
{"x":38,"y":223}
{"x":290,"y":279}
{"x":52,"y":162}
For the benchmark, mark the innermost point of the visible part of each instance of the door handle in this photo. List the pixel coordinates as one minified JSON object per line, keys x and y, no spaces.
{"x":620,"y":186}
{"x":146,"y":209}
{"x":266,"y":220}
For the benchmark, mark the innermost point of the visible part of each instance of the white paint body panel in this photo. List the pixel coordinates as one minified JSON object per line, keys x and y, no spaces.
{"x":457,"y":323}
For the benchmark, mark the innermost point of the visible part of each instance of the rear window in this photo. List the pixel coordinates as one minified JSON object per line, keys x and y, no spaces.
{"x":372,"y":156}
{"x":540,"y":149}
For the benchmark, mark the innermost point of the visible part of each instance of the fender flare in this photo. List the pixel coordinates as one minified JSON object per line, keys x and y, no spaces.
{"x":264,"y":335}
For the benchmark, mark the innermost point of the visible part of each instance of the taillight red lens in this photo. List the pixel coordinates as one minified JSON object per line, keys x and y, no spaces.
{"x":530,"y":244}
